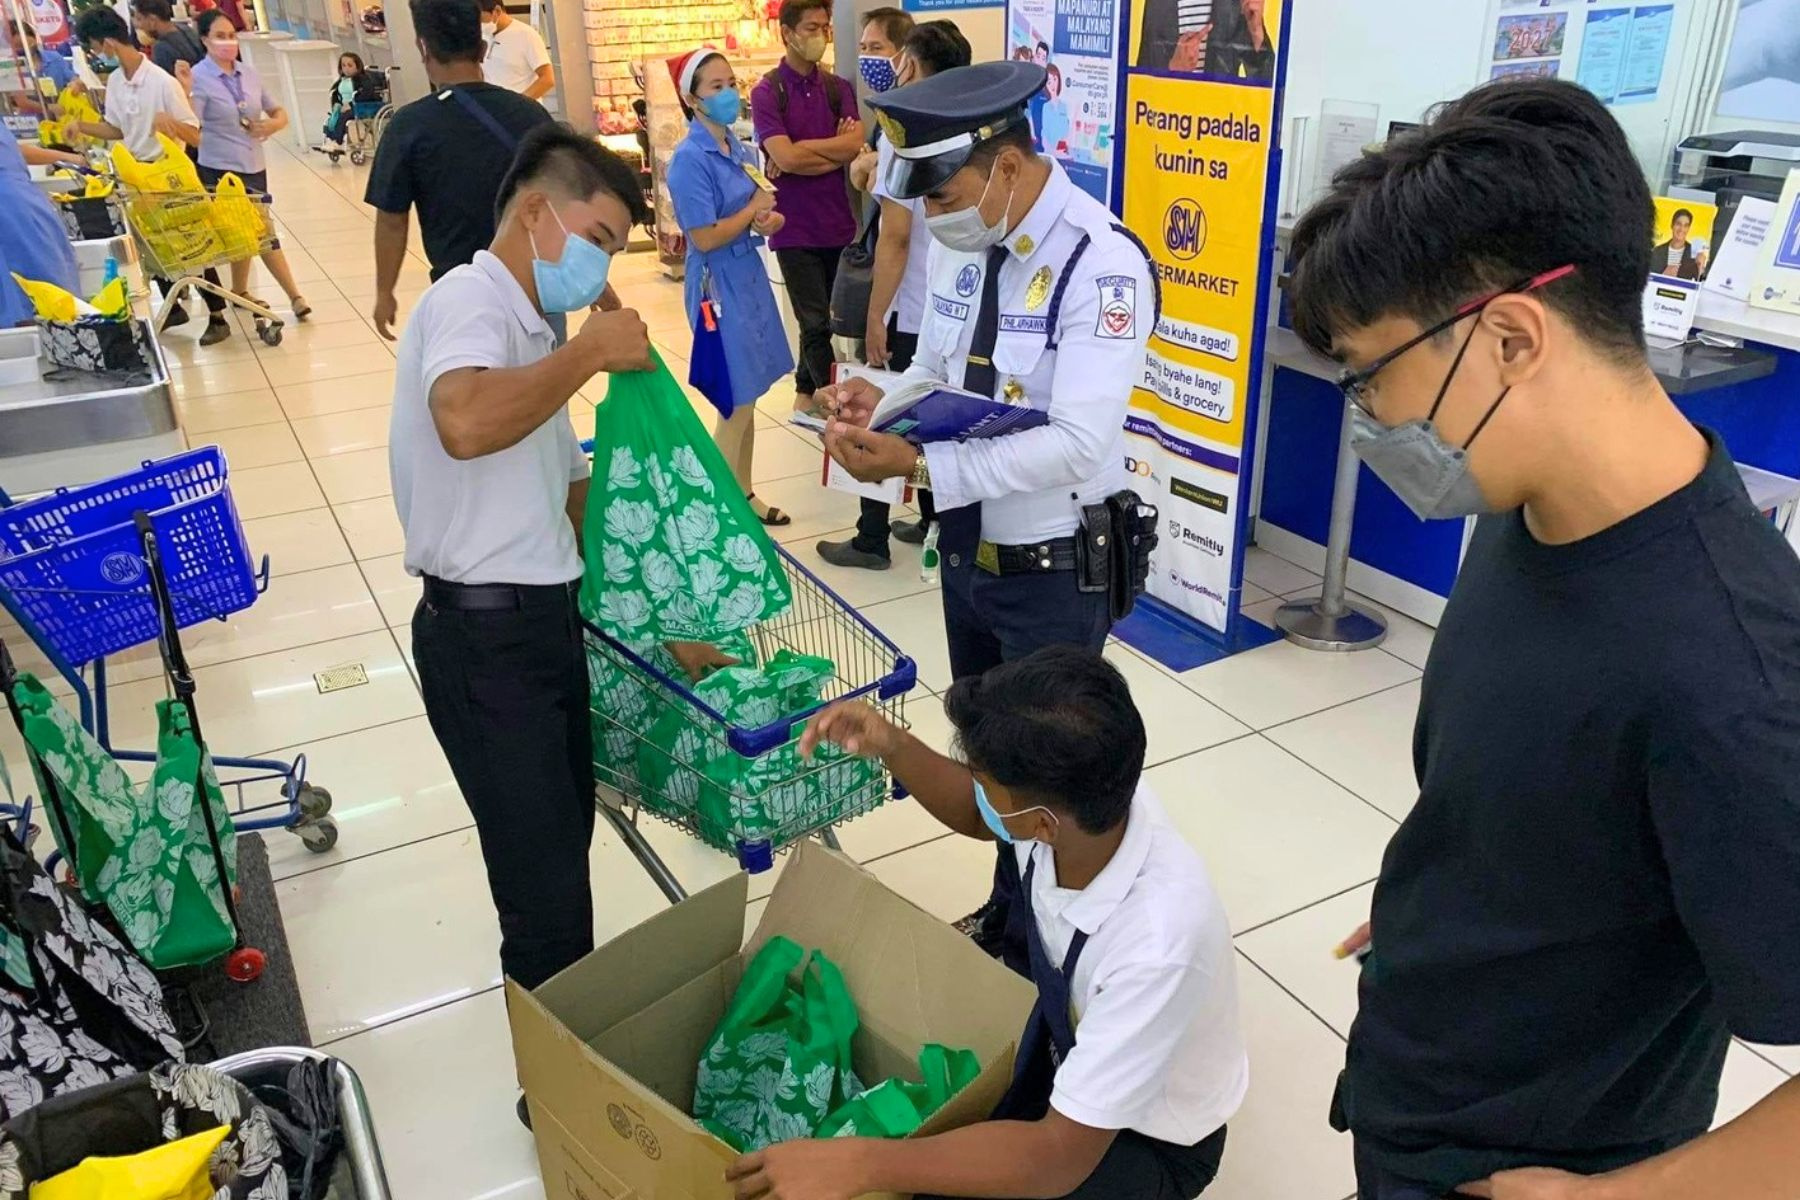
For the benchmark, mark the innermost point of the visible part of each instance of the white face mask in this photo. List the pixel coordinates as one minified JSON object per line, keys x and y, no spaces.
{"x":965,"y":230}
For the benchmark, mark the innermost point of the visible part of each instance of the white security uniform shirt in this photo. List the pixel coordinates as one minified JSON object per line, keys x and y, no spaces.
{"x":132,"y":105}
{"x":1158,"y":1047}
{"x":1034,"y":483}
{"x":909,"y":301}
{"x":500,"y":518}
{"x":513,"y":57}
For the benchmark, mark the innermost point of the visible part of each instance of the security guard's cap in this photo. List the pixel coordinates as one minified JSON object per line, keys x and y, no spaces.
{"x":936,"y":123}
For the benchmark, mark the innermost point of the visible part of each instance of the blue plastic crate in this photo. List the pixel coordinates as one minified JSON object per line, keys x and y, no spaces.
{"x":73,"y":561}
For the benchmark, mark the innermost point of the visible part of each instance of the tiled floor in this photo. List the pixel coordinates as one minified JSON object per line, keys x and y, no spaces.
{"x":1287,"y":768}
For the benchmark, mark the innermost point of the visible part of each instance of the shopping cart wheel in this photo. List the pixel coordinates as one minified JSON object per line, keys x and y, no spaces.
{"x":319,"y":836}
{"x":314,"y":801}
{"x":358,"y":158}
{"x":269,"y":332}
{"x":245,"y":964}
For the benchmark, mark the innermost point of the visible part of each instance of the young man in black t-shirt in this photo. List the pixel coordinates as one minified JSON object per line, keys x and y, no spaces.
{"x":444,"y":154}
{"x":172,"y":44}
{"x":1600,"y":882}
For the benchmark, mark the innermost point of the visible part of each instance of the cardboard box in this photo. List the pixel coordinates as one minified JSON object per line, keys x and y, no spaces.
{"x":607,"y":1050}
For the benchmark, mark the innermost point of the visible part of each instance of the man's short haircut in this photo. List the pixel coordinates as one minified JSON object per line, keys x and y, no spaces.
{"x":1515,"y":178}
{"x":161,"y":10}
{"x":557,"y":158}
{"x":1057,"y":727}
{"x":100,"y":24}
{"x":450,"y":29}
{"x":1017,"y":137}
{"x":895,"y":23}
{"x":794,"y":11}
{"x":938,"y":46}
{"x":1680,"y":213}
{"x":1045,"y":47}
{"x":488,"y":6}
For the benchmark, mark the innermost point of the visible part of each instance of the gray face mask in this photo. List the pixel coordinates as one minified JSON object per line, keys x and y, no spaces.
{"x":1430,"y":476}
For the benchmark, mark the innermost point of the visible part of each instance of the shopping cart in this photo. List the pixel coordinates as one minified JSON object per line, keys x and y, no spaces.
{"x":360,"y":1174}
{"x":76,"y":576}
{"x":181,"y":234}
{"x":819,"y":623}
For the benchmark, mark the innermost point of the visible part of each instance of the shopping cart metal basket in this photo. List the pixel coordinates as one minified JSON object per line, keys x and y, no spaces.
{"x":819,"y":623}
{"x":360,"y":1174}
{"x":181,"y":234}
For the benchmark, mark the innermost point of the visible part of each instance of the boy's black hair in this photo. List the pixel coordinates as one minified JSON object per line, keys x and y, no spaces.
{"x":1057,"y":727}
{"x":488,"y":6}
{"x":205,"y":21}
{"x":895,"y":23}
{"x":450,"y":29}
{"x":1515,"y":178}
{"x":162,"y":10}
{"x":102,"y":24}
{"x":938,"y":45}
{"x":575,"y":165}
{"x":793,"y":10}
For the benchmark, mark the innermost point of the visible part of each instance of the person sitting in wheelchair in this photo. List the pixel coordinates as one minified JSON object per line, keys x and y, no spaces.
{"x":356,"y":90}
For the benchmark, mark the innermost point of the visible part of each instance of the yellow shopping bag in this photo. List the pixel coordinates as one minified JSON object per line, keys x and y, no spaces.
{"x":173,"y":172}
{"x":238,"y":221}
{"x":169,"y":209}
{"x":175,"y":1171}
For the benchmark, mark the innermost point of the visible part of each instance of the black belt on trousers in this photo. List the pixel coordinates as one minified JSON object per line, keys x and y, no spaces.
{"x":495,"y":597}
{"x":1041,"y":558}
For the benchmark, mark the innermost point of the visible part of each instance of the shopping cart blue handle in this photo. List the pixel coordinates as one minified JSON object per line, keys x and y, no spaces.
{"x":262,"y":576}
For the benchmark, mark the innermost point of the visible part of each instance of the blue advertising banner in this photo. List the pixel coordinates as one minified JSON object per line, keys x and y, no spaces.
{"x":1074,"y":119}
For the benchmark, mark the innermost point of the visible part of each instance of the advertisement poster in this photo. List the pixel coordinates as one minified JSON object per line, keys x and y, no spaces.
{"x":1073,"y":119}
{"x":1777,"y":283}
{"x":1683,"y":238}
{"x":1197,"y":154}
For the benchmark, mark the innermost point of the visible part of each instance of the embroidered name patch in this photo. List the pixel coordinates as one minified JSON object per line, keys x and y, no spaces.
{"x":1021,"y":323}
{"x":1118,"y":307}
{"x":950,"y":308}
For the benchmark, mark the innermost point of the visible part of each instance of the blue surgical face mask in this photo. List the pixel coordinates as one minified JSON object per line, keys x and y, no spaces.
{"x":877,"y":72}
{"x":992,"y":817}
{"x":576,"y":279}
{"x":722,"y":107}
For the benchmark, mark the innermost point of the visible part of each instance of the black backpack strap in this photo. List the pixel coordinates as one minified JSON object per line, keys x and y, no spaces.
{"x":1056,"y":297}
{"x":483,"y":116}
{"x":772,"y":77}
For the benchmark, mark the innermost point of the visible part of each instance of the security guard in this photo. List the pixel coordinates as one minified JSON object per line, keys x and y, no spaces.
{"x":1035,"y":295}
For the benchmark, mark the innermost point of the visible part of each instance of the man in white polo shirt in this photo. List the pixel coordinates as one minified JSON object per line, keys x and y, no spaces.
{"x":516,"y":57}
{"x":143,"y":100}
{"x":1133,"y":1059}
{"x":490,"y":484}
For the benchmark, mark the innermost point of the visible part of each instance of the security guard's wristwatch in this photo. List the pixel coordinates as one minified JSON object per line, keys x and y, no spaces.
{"x":921,"y":473}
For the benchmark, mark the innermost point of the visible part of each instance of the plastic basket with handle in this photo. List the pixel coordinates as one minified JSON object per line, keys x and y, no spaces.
{"x":73,"y":561}
{"x":819,"y":623}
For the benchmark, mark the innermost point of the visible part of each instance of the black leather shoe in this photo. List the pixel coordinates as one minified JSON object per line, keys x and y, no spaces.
{"x":845,"y":554}
{"x":910,"y":532}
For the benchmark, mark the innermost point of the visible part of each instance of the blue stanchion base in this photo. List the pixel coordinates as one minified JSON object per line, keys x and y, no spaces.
{"x":1180,"y":643}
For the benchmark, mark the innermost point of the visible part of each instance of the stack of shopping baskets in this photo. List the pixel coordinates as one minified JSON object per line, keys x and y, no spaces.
{"x":90,"y":571}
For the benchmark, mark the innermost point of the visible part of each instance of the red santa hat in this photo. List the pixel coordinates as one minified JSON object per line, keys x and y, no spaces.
{"x":683,"y":67}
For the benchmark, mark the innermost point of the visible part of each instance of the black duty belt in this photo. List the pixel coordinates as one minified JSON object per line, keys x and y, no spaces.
{"x":495,"y":597}
{"x":1041,"y":558}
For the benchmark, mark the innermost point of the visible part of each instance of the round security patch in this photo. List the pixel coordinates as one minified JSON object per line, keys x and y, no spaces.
{"x":968,"y":279}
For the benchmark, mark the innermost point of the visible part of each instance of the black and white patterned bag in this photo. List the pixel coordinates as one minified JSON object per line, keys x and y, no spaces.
{"x":95,"y":344}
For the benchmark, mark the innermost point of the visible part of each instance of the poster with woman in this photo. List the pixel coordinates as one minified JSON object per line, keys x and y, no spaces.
{"x":1074,"y":118}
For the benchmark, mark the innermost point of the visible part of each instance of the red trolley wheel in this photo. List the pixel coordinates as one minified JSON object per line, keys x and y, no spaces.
{"x":245,"y":964}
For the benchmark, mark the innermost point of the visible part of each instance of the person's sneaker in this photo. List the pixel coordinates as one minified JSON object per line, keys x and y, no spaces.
{"x":845,"y":554}
{"x":217,"y":330}
{"x":524,"y":1111}
{"x":177,"y":316}
{"x":910,"y":532}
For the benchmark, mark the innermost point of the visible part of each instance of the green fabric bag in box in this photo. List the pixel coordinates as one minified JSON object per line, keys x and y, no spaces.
{"x":780,"y":1059}
{"x":895,"y":1108}
{"x":674,"y":551}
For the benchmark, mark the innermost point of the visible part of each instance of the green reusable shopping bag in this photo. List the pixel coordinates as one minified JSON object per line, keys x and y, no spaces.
{"x":673,"y":550}
{"x":626,"y":705}
{"x":780,"y":1059}
{"x":15,"y":955}
{"x":895,"y":1108}
{"x":102,"y":801}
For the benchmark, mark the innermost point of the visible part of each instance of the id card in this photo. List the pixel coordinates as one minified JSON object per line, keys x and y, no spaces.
{"x":758,"y":178}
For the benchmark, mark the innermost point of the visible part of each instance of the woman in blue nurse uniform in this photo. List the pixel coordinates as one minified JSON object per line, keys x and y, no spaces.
{"x":725,"y":209}
{"x":32,"y":239}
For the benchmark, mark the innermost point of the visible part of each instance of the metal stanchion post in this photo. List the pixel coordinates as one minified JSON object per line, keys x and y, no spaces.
{"x":1331,"y":622}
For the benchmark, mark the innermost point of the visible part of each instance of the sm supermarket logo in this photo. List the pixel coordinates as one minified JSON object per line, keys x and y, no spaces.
{"x":1184,"y":229}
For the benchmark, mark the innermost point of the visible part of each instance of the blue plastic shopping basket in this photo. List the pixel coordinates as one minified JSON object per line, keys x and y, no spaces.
{"x":73,"y":561}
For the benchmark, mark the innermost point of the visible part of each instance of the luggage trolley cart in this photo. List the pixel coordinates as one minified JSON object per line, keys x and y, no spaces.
{"x":869,"y":667}
{"x":181,"y":234}
{"x":75,"y":575}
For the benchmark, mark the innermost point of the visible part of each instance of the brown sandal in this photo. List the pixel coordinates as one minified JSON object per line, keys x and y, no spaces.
{"x":770,"y":516}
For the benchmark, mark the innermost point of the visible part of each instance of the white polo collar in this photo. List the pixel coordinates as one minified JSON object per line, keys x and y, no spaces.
{"x":1025,"y":238}
{"x":1089,"y":908}
{"x":508,"y":289}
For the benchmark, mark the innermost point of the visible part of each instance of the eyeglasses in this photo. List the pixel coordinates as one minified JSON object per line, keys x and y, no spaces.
{"x":1355,"y":384}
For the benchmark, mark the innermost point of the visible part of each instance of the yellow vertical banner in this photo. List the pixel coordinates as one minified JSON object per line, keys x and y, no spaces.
{"x":1197,"y":152}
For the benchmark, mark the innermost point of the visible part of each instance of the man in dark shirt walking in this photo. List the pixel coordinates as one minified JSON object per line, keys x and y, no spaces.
{"x":1600,"y":882}
{"x":172,"y":44}
{"x":807,"y":125}
{"x":444,"y":154}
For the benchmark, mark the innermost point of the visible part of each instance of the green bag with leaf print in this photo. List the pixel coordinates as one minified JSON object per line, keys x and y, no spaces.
{"x":144,"y":854}
{"x":673,"y":550}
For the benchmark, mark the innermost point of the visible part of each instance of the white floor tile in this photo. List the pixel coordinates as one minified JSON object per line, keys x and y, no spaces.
{"x":948,"y":878}
{"x":781,"y":455}
{"x":356,"y":475}
{"x":1281,"y":681}
{"x":1276,"y":835}
{"x":814,"y":510}
{"x":441,"y":1089}
{"x":272,"y":491}
{"x":297,"y":541}
{"x":204,"y":409}
{"x":1365,"y":745}
{"x":343,"y":432}
{"x":395,"y":590}
{"x":916,"y":625}
{"x":371,"y":527}
{"x":252,"y":445}
{"x":1297,"y":952}
{"x":373,"y":390}
{"x":215,"y":377}
{"x":335,"y":362}
{"x":1176,"y":720}
{"x":1275,"y":575}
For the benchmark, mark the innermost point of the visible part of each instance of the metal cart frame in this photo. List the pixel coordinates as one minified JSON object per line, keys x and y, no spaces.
{"x":361,"y":1160}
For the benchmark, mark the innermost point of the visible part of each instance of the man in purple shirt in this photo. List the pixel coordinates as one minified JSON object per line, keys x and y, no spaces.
{"x":807,"y":124}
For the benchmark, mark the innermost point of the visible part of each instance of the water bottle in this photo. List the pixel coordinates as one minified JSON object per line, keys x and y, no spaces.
{"x":928,"y":555}
{"x":112,"y":270}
